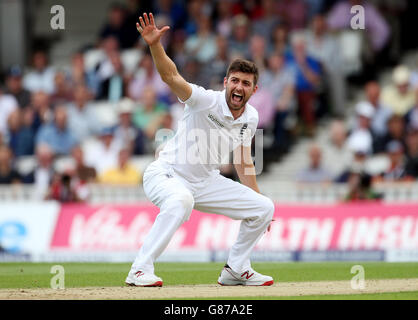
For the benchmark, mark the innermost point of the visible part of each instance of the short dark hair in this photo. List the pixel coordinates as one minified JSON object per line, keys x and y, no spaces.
{"x":244,"y":66}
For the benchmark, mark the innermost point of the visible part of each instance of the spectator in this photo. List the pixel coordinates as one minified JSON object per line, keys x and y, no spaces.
{"x":147,"y":75}
{"x":149,"y":115}
{"x":112,"y":84}
{"x":265,"y":24}
{"x":194,"y":11}
{"x":315,"y":173}
{"x":411,"y":118}
{"x":7,"y":173}
{"x":308,"y":78}
{"x":375,"y":25}
{"x":258,"y":51}
{"x":239,"y":40}
{"x":202,"y":44}
{"x":125,"y":132}
{"x":294,"y":13}
{"x":82,"y":118}
{"x":103,"y":154}
{"x":115,"y":26}
{"x":40,"y":104}
{"x":356,"y":166}
{"x":123,"y":174}
{"x":280,"y":39}
{"x":14,"y":86}
{"x":215,"y":70}
{"x":62,"y":93}
{"x":322,"y":46}
{"x":361,"y":137}
{"x":42,"y":175}
{"x":382,"y":114}
{"x":41,"y":77}
{"x":57,"y":135}
{"x":173,"y":10}
{"x":223,"y":18}
{"x":80,"y":76}
{"x":82,"y":172}
{"x":63,"y":189}
{"x":396,"y":170}
{"x":360,"y":188}
{"x":396,"y":131}
{"x":279,"y":79}
{"x":21,"y":135}
{"x":8,"y":104}
{"x":399,"y":96}
{"x":411,"y":167}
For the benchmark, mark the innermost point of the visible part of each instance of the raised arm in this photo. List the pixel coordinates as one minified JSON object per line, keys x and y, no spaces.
{"x":165,"y":66}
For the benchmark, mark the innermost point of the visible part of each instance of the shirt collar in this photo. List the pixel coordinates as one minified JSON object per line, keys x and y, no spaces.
{"x":227,"y":113}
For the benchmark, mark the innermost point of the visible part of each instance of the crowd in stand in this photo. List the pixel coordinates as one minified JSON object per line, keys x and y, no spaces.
{"x":48,"y":111}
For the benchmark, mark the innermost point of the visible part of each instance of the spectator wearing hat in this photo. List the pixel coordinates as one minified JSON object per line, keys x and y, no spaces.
{"x":103,"y":153}
{"x":125,"y":132}
{"x":124,"y":173}
{"x":361,"y":136}
{"x":14,"y":86}
{"x":399,"y":96}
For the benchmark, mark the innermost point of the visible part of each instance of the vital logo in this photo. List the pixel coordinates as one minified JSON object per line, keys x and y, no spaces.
{"x":211,"y":117}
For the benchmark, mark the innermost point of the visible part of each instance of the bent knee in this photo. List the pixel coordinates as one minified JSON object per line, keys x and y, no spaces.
{"x":180,"y":204}
{"x":267,"y":208}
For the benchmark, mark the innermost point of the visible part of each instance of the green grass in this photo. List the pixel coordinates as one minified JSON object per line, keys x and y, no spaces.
{"x":37,"y":275}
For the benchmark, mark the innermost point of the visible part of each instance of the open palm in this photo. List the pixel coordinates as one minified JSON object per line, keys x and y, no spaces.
{"x":148,"y":30}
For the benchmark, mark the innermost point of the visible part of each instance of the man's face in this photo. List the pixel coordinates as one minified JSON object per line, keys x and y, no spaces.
{"x":239,"y":89}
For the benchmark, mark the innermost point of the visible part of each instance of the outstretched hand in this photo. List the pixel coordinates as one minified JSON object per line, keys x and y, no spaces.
{"x":148,"y":30}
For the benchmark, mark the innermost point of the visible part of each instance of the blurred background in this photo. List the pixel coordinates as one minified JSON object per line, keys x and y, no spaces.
{"x":80,"y":107}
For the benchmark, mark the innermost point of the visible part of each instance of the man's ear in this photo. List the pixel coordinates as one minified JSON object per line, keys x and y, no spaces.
{"x":255,"y":88}
{"x":225,"y":81}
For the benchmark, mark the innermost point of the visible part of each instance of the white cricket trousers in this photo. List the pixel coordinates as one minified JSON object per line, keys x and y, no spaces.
{"x":176,"y":199}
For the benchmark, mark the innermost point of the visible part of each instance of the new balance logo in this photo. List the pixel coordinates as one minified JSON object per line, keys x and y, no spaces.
{"x":139,"y":273}
{"x":247,"y":275}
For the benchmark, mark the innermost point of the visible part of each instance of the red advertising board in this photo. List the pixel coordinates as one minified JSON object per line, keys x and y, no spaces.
{"x":371,"y":226}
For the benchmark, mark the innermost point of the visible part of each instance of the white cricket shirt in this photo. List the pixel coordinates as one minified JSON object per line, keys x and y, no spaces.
{"x":207,"y":134}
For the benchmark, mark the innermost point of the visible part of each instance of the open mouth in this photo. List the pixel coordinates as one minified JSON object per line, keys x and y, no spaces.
{"x":236,"y":97}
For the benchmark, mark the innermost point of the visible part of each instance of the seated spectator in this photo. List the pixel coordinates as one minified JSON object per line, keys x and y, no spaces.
{"x":57,"y":135}
{"x":361,"y":135}
{"x":315,"y":173}
{"x":376,"y":27}
{"x":308,"y":78}
{"x":396,"y":170}
{"x":104,"y":153}
{"x":280,"y":39}
{"x":396,"y":131}
{"x":8,"y":104}
{"x":125,"y":132}
{"x":411,"y":166}
{"x":7,"y":173}
{"x":411,"y":118}
{"x":81,"y":76}
{"x":41,"y":106}
{"x":360,"y":188}
{"x":82,"y":172}
{"x":14,"y":86}
{"x":202,"y":44}
{"x":279,"y":79}
{"x":325,"y":48}
{"x":41,"y":77}
{"x":21,"y":135}
{"x":82,"y":118}
{"x":382,"y":113}
{"x":399,"y":96}
{"x":264,"y":25}
{"x":258,"y":51}
{"x":223,"y":18}
{"x":115,"y":26}
{"x":294,"y":13}
{"x":42,"y":175}
{"x":113,"y":82}
{"x":62,"y":93}
{"x":147,"y":75}
{"x":149,"y":115}
{"x":238,"y":45}
{"x":215,"y":70}
{"x":124,"y":173}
